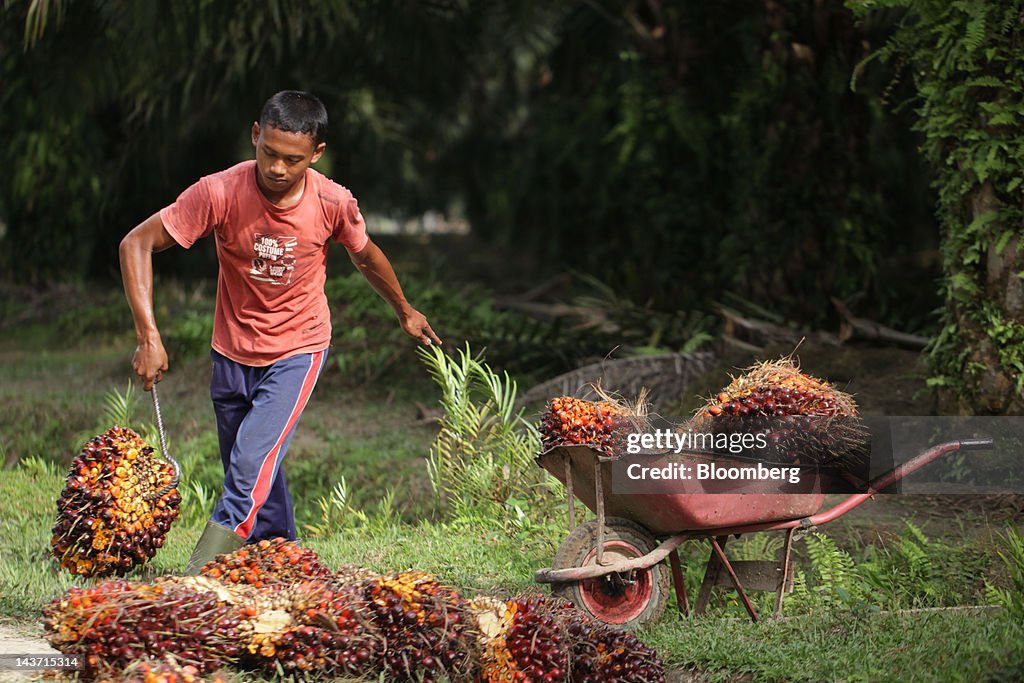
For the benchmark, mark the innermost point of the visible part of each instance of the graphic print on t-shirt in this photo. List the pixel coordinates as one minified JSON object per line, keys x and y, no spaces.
{"x":273,"y":260}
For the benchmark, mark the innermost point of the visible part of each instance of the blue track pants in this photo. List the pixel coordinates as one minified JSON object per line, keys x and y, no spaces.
{"x":257,"y":410}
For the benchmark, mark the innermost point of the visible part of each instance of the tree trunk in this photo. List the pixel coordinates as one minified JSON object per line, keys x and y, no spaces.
{"x":991,"y":390}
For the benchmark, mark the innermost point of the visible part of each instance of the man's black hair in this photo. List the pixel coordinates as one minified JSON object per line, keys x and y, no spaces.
{"x":294,"y":111}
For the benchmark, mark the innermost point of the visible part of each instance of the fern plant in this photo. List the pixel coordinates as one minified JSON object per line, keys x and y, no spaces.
{"x":757,"y":547}
{"x":919,"y":570}
{"x":1010,"y":598}
{"x":834,"y":569}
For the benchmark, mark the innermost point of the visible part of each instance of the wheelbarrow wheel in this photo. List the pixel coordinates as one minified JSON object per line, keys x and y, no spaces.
{"x":626,"y":599}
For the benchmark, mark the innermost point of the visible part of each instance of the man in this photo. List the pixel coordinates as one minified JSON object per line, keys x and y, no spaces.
{"x":272,"y":219}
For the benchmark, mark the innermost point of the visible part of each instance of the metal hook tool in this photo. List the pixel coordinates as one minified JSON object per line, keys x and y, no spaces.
{"x":163,"y":450}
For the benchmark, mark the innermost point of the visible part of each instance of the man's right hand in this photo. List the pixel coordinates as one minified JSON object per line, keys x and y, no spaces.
{"x":150,"y":362}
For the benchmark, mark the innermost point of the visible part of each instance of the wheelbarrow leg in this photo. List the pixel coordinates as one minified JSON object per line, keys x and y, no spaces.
{"x":568,"y":489}
{"x":735,"y":579}
{"x":679,"y":582}
{"x":787,"y":569}
{"x":711,"y":572}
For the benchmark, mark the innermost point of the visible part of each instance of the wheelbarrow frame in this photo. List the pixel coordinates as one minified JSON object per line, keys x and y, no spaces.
{"x":717,"y":536}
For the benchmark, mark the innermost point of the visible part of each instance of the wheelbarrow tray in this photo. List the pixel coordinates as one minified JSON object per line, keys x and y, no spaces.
{"x":677,"y":517}
{"x":723,"y":504}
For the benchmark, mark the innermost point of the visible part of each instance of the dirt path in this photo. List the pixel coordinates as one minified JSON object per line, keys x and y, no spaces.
{"x":21,"y":638}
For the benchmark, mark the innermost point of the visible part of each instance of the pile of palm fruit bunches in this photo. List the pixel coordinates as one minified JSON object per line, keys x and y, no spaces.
{"x":116,"y":507}
{"x":804,"y":419}
{"x":275,"y":607}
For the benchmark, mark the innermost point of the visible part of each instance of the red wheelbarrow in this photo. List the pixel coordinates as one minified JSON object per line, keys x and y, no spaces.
{"x":614,"y":566}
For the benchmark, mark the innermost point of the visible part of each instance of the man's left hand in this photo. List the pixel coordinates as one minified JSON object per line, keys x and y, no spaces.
{"x":416,"y":326}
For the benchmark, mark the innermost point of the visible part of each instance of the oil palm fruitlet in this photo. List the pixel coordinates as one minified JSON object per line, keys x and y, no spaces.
{"x":165,"y":670}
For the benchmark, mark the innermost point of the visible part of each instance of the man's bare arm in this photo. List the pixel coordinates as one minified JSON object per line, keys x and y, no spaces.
{"x":377,"y":270}
{"x":136,"y":252}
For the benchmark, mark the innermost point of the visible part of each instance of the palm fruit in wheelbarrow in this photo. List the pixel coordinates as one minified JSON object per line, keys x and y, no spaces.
{"x":569,"y":421}
{"x":116,"y":507}
{"x":804,"y":420}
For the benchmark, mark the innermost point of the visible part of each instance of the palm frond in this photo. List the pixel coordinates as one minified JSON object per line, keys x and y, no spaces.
{"x":119,"y":406}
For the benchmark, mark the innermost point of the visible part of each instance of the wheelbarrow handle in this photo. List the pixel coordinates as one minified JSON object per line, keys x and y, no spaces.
{"x":874,"y":487}
{"x":163,"y":449}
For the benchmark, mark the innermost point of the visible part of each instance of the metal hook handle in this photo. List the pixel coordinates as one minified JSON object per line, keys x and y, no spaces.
{"x":163,"y":450}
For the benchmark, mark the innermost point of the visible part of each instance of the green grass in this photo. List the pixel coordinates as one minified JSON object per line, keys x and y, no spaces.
{"x":475,"y":556}
{"x":837,"y":646}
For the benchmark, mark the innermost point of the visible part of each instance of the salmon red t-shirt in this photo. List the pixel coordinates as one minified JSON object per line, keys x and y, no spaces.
{"x":273,"y":261}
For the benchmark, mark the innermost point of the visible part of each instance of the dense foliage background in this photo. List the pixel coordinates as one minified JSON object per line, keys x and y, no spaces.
{"x":674,"y":151}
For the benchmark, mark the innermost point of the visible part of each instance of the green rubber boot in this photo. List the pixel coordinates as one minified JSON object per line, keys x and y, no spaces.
{"x":216,"y":539}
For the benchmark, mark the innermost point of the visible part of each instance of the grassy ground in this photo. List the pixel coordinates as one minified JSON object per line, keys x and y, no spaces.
{"x":844,"y":622}
{"x":933,"y":646}
{"x":826,"y":641}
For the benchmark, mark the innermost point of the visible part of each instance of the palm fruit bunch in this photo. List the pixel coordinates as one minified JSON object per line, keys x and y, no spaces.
{"x":115,"y":509}
{"x":541,"y":638}
{"x":568,"y":421}
{"x":165,"y":670}
{"x":422,"y":623}
{"x":804,"y":419}
{"x":313,"y":628}
{"x":114,"y":623}
{"x":522,"y":640}
{"x":606,"y":654}
{"x":307,"y":626}
{"x":265,"y":563}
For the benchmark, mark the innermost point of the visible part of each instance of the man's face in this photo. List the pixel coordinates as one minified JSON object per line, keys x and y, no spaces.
{"x":282,"y":158}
